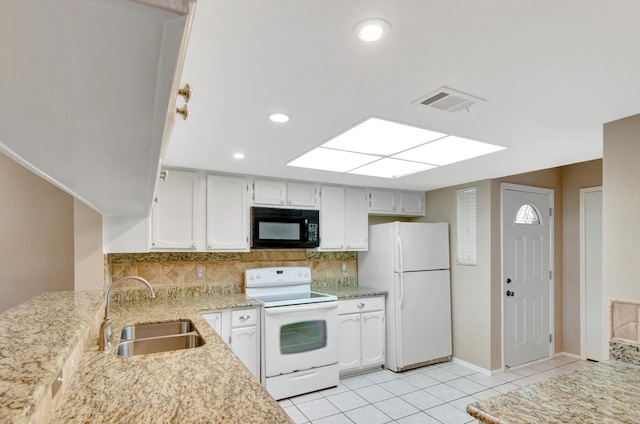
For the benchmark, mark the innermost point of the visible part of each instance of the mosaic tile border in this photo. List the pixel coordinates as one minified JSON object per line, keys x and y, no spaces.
{"x":254,"y":255}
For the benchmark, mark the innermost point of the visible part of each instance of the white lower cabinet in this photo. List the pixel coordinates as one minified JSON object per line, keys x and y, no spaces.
{"x":362,"y":334}
{"x":239,"y":329}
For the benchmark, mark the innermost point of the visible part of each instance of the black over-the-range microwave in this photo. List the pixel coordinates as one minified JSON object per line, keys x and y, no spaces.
{"x":276,"y":228}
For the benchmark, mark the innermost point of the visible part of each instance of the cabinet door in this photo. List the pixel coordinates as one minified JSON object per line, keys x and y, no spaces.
{"x":173,"y":214}
{"x":268,"y":192}
{"x":301,"y":194}
{"x":244,"y":343}
{"x":373,"y":338}
{"x":411,"y":202}
{"x":214,"y":319}
{"x":356,"y":219}
{"x":227,"y":213}
{"x":349,"y":342}
{"x":383,"y":201}
{"x":332,"y":218}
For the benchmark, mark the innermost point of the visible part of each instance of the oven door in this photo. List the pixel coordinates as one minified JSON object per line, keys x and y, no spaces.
{"x":300,"y":337}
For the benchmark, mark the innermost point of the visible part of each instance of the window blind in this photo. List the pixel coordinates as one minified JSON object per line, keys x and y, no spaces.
{"x":467,"y":226}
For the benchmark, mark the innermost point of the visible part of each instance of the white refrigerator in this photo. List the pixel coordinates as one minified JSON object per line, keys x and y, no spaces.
{"x":410,"y":260}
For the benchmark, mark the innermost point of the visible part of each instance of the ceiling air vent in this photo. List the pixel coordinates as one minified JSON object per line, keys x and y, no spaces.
{"x":448,"y":99}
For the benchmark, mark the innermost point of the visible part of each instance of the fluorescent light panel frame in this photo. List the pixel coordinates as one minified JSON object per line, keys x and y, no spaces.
{"x":381,"y":148}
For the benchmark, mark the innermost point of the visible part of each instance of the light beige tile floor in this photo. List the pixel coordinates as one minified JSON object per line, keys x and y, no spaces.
{"x":436,"y":394}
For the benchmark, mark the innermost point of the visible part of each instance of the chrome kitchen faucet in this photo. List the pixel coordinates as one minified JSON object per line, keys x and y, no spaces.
{"x":106,"y":335}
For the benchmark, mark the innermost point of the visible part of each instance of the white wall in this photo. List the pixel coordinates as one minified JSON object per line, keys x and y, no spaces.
{"x":620,"y":214}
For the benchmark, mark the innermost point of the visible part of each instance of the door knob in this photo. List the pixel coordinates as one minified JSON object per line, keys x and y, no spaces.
{"x":510,"y":293}
{"x":508,"y":280}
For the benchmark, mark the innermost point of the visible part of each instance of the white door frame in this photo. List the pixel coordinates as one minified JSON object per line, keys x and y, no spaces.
{"x":583,"y":272}
{"x":538,"y":190}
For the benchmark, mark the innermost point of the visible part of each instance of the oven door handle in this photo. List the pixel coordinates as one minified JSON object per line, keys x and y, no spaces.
{"x":299,"y":308}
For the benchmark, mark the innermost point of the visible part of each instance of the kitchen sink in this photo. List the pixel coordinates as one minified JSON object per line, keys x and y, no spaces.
{"x":144,"y":331}
{"x":142,"y":339}
{"x":159,"y":344}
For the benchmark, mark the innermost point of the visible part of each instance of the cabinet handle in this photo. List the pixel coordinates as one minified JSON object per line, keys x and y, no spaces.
{"x":164,"y":175}
{"x":186,"y":92}
{"x":360,"y":305}
{"x":183,"y":111}
{"x":244,"y":317}
{"x":194,"y":245}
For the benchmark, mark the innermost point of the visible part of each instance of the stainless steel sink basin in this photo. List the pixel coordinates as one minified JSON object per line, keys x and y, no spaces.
{"x":160,"y":344}
{"x":144,"y":331}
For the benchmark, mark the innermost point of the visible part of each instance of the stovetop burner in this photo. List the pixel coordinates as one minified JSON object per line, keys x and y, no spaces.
{"x":282,"y":286}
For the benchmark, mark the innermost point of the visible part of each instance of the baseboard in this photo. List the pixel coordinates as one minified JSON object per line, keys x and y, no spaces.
{"x":475,"y":367}
{"x":570,"y":355}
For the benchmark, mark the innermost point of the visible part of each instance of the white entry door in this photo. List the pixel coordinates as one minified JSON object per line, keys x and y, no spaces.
{"x":527,"y":246}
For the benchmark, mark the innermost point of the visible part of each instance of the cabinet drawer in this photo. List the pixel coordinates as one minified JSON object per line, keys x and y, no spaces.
{"x":361,"y":304}
{"x":243,"y":317}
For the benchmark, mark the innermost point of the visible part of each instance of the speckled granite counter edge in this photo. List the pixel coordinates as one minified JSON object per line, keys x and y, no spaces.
{"x":38,"y":339}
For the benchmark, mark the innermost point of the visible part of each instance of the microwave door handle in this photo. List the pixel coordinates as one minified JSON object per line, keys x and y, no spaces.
{"x":306,"y":230}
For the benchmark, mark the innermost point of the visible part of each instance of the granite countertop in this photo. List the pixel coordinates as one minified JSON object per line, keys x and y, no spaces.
{"x":207,"y":384}
{"x":606,"y":392}
{"x":36,"y":338}
{"x":348,"y":292}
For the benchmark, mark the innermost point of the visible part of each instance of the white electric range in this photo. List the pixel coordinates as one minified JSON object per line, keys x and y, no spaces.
{"x":299,"y":331}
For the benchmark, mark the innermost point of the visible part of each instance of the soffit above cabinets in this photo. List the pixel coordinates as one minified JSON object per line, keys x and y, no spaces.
{"x":87,"y":90}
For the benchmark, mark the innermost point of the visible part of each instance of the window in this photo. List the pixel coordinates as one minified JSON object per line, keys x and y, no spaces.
{"x":527,"y":215}
{"x":467,"y":226}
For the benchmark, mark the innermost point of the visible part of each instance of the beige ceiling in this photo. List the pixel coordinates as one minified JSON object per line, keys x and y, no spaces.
{"x":552,"y":73}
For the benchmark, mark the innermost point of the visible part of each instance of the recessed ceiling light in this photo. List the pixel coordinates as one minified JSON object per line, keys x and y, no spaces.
{"x":279,"y":117}
{"x":372,"y":29}
{"x":238,"y":155}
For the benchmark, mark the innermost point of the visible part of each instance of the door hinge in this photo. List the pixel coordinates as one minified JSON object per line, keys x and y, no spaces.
{"x":229,"y":340}
{"x":550,"y":211}
{"x":550,"y":275}
{"x":550,"y":338}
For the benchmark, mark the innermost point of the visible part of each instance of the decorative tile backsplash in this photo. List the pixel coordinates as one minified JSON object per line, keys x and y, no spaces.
{"x":224,"y":272}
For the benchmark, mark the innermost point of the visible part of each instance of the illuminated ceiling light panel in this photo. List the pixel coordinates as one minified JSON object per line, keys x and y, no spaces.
{"x":332,"y":160}
{"x":379,"y":137}
{"x":381,"y":148}
{"x":448,"y":150}
{"x":391,"y":168}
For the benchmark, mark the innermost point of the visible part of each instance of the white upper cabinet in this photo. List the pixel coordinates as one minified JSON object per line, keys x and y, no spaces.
{"x":227,"y":213}
{"x":268,"y":192}
{"x":356,"y":219}
{"x":302,"y":194}
{"x":396,"y":202}
{"x":343,"y":218}
{"x":284,"y":193}
{"x":89,"y":94}
{"x":174,"y":211}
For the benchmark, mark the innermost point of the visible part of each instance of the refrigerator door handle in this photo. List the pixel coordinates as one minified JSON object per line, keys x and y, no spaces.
{"x":399,"y":359}
{"x":400,"y":263}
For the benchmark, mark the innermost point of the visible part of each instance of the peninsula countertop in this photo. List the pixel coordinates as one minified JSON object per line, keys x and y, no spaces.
{"x":606,"y":392}
{"x":207,"y":384}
